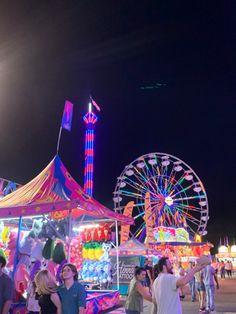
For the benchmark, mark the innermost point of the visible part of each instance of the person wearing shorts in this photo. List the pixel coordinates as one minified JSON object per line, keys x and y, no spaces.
{"x":201,"y":291}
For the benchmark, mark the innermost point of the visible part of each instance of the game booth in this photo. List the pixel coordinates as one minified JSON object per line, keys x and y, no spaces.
{"x":227,"y":253}
{"x":175,"y":243}
{"x":131,"y":254}
{"x":50,"y":221}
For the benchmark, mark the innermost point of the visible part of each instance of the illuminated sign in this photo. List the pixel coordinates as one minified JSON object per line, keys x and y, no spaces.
{"x":223,"y":249}
{"x":167,"y":234}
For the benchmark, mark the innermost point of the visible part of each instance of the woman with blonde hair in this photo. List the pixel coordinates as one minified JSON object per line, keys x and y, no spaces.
{"x":46,"y":288}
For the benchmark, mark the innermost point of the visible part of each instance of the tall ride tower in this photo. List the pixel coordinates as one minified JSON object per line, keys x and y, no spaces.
{"x":90,"y":119}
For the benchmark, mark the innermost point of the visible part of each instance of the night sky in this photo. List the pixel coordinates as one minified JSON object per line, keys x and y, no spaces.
{"x":118,"y":51}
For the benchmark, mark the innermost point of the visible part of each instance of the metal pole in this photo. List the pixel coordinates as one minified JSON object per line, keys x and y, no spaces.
{"x":58,"y":140}
{"x":117,"y":258}
{"x":17,"y":247}
{"x":69,"y":235}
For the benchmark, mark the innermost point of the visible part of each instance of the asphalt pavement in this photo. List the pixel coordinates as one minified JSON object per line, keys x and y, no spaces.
{"x":225,"y":300}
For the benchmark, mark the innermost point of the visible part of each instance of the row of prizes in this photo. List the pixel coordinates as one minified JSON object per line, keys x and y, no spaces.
{"x":99,"y":272}
{"x":100,"y":234}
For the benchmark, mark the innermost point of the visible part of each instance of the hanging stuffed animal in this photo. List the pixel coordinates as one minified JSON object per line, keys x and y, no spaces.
{"x":106,"y":248}
{"x":105,"y":277}
{"x":94,"y":235}
{"x":48,"y":249}
{"x":107,"y":233}
{"x":98,"y":251}
{"x":59,"y":257}
{"x":11,"y":248}
{"x":101,"y":235}
{"x":84,"y":271}
{"x":36,"y":228}
{"x":22,"y":269}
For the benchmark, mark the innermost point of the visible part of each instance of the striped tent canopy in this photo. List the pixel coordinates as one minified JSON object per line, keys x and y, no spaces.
{"x":55,"y":191}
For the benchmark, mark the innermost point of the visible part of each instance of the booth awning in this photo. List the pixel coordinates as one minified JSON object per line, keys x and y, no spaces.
{"x":54,"y":190}
{"x":132,"y":247}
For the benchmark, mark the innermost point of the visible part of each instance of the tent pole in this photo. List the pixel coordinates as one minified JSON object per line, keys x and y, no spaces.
{"x":17,"y":247}
{"x":69,"y":235}
{"x":117,"y":259}
{"x":58,"y":140}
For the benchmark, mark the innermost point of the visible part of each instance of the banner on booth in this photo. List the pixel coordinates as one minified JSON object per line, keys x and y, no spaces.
{"x":126,"y":268}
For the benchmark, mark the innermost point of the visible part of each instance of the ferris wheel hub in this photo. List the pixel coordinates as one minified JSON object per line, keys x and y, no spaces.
{"x":169,"y":200}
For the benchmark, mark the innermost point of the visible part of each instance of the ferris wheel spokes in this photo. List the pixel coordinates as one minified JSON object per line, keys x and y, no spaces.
{"x":176,"y":194}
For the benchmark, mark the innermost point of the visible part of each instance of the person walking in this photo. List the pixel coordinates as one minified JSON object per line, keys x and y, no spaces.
{"x":231,"y":268}
{"x":228,"y":268}
{"x":222,"y":270}
{"x":46,"y":289}
{"x":137,"y":292}
{"x":192,"y":282}
{"x":72,"y":293}
{"x":6,"y":288}
{"x":166,"y":285}
{"x":200,"y":287}
{"x":208,"y":279}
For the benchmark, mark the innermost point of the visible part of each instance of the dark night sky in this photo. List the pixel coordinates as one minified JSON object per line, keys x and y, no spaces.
{"x":56,"y":50}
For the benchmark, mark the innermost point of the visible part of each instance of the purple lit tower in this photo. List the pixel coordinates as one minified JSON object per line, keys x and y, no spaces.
{"x":90,"y":119}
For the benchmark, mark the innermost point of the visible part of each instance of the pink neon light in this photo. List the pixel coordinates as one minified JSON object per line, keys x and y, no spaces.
{"x":89,"y":137}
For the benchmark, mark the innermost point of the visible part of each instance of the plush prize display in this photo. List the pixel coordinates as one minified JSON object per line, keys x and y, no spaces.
{"x":76,"y":247}
{"x":106,"y":247}
{"x":97,"y":272}
{"x":11,"y":248}
{"x":96,"y":266}
{"x":100,"y":234}
{"x":2,"y":253}
{"x":92,"y":251}
{"x":21,"y":277}
{"x":48,"y":248}
{"x":55,"y":257}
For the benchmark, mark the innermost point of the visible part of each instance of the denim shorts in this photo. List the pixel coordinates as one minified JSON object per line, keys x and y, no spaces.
{"x":200,"y":286}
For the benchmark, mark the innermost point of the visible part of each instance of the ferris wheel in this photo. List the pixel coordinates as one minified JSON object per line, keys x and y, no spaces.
{"x":174,"y":193}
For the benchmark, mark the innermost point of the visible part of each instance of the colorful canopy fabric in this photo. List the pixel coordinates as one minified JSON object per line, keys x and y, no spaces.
{"x":132,"y":247}
{"x":54,"y":190}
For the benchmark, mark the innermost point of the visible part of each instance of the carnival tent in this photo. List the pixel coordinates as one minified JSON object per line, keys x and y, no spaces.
{"x":51,"y":191}
{"x":132,"y":247}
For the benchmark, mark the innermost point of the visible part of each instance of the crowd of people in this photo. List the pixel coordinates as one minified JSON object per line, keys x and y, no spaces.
{"x":162,"y":285}
{"x":224,"y":268}
{"x":44,"y":295}
{"x":164,"y":288}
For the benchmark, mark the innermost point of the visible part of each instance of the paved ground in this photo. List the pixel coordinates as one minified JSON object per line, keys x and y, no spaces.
{"x":225,"y":300}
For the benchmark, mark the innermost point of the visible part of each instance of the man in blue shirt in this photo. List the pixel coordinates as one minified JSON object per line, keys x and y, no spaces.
{"x":72,"y":293}
{"x":208,"y":279}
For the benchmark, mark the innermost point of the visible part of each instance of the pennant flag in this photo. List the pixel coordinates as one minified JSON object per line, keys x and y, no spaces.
{"x":95,"y":104}
{"x":11,"y":186}
{"x":67,"y":116}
